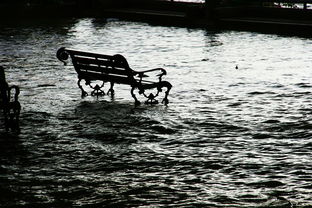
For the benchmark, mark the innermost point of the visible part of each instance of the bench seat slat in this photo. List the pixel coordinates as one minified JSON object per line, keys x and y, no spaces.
{"x":91,"y":60}
{"x":111,"y":78}
{"x":88,"y":54}
{"x":105,"y":77}
{"x":97,"y":61}
{"x":102,"y":70}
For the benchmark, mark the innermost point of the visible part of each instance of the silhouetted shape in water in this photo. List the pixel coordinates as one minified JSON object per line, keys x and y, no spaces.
{"x":114,"y":69}
{"x":9,"y":103}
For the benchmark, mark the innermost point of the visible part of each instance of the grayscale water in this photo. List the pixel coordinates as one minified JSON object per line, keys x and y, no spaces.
{"x":228,"y":138}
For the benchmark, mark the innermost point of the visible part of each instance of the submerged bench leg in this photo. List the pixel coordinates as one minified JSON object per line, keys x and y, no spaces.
{"x":111,"y":89}
{"x":151,"y":97}
{"x":137,"y":102}
{"x":83,"y":92}
{"x":169,"y":86}
{"x":11,"y":115}
{"x":14,"y":116}
{"x":97,"y":90}
{"x":11,"y":107}
{"x":17,"y":112}
{"x":6,"y":119}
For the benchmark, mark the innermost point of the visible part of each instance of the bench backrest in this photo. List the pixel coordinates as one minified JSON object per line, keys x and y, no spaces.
{"x":93,"y":66}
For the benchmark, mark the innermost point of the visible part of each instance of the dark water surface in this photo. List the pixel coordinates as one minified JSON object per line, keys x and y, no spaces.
{"x":229,"y":137}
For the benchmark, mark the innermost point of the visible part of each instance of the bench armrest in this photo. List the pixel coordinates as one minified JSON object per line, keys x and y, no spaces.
{"x":142,"y":74}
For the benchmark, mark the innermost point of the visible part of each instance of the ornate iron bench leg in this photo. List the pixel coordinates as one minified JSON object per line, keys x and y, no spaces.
{"x":83,"y":92}
{"x":151,"y":99}
{"x":97,"y":90}
{"x":11,"y":108}
{"x":137,"y":102}
{"x":17,"y":111}
{"x":111,"y":89}
{"x":16,"y":107}
{"x":11,"y":116}
{"x":6,"y":119}
{"x":169,"y":86}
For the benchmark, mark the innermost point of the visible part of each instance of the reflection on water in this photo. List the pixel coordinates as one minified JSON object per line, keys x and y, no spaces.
{"x":230,"y":137}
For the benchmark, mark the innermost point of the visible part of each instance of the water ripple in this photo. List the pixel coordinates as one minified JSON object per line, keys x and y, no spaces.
{"x":229,"y":137}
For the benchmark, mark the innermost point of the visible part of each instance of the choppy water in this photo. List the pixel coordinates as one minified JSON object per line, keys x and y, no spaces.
{"x":229,"y":137}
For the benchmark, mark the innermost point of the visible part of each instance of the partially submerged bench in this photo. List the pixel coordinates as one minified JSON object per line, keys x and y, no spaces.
{"x":115,"y":70}
{"x":9,"y":102}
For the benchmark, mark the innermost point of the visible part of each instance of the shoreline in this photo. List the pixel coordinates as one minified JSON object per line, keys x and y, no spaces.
{"x":185,"y":14}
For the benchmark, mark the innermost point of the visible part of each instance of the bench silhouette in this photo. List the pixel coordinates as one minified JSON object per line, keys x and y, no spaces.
{"x":9,"y":102}
{"x":115,"y":70}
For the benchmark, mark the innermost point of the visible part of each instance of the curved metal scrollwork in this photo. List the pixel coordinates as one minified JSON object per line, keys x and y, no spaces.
{"x":97,"y":90}
{"x":121,"y":60}
{"x":151,"y":97}
{"x":62,"y":55}
{"x":83,"y":92}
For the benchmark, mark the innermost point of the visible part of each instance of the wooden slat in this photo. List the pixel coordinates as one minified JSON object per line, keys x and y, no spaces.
{"x":97,"y":61}
{"x":88,"y":54}
{"x":115,"y":79}
{"x":106,"y":78}
{"x":92,"y":60}
{"x":101,"y":70}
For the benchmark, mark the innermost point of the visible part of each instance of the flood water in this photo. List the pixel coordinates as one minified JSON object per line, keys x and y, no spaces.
{"x":228,"y":138}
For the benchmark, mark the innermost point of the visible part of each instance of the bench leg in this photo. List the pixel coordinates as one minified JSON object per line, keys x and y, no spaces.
{"x":151,"y":98}
{"x":137,"y":102}
{"x":169,"y":86}
{"x":111,"y":89}
{"x":11,"y":116}
{"x":97,"y":91}
{"x":16,"y":112}
{"x":6,"y":119}
{"x":83,"y":92}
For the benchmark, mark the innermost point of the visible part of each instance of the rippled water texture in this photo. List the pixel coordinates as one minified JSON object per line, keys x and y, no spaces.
{"x":229,"y":137}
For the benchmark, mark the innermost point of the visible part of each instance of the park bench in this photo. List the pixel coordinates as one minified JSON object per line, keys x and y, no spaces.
{"x":9,"y":102}
{"x":93,"y":67}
